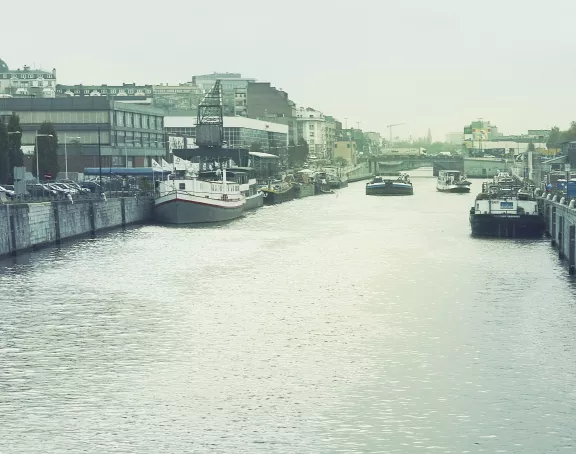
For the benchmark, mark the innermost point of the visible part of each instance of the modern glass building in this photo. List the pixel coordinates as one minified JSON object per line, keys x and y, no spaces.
{"x":239,"y":132}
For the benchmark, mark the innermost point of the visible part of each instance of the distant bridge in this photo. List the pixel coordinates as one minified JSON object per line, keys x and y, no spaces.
{"x":398,"y":163}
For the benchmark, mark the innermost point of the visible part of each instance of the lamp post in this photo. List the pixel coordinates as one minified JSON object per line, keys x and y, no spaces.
{"x":66,"y":152}
{"x":38,"y":154}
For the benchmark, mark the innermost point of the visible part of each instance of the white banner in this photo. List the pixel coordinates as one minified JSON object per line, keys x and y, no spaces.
{"x":166,"y":166}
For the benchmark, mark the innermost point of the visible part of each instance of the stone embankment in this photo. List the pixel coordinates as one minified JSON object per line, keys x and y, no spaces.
{"x":362,"y":171}
{"x":28,"y":226}
{"x":561,"y":227}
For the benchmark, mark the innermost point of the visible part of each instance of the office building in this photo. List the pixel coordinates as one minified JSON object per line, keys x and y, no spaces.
{"x":130,"y":135}
{"x":239,"y":132}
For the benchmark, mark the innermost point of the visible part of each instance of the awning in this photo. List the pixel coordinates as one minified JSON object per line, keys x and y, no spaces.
{"x":127,"y":171}
{"x":261,"y":155}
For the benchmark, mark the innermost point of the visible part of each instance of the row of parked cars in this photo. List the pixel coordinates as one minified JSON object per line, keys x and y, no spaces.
{"x":58,"y":190}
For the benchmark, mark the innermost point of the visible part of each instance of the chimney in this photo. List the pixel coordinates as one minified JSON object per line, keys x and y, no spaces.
{"x":54,"y":73}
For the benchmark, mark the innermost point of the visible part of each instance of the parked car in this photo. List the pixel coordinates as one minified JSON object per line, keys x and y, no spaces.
{"x":92,"y":186}
{"x":62,"y":192}
{"x":7,"y":192}
{"x":74,"y":185}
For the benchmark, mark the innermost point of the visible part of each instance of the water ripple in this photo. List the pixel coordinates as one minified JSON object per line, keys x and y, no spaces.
{"x":333,"y":324}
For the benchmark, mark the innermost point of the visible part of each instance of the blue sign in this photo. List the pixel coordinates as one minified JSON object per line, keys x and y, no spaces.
{"x":506,"y":205}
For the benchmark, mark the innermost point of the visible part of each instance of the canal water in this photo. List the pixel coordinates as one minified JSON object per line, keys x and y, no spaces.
{"x":334,"y":324}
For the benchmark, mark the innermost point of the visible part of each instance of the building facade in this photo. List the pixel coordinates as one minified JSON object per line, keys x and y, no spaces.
{"x":181,"y":98}
{"x":110,"y":91}
{"x":330,"y":135}
{"x":311,"y":127}
{"x":481,"y":130}
{"x":239,"y":132}
{"x":234,"y":88}
{"x":27,"y":82}
{"x":268,"y":103}
{"x":345,"y":150}
{"x":130,"y":135}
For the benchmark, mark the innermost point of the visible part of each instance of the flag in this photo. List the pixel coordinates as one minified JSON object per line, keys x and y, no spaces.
{"x":179,"y":163}
{"x":155,"y":165}
{"x":165,"y":165}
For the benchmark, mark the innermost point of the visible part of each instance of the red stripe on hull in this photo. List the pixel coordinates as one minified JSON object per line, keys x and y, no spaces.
{"x":198,"y":203}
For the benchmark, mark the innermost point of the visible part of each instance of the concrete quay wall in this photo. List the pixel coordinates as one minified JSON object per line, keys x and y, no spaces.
{"x":33,"y":225}
{"x":363,"y":171}
{"x":561,"y":228}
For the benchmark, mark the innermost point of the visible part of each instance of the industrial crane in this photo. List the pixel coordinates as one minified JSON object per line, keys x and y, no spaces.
{"x":209,"y":122}
{"x":390,"y":128}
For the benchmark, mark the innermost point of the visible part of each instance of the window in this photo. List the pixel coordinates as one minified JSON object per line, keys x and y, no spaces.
{"x":181,"y":185}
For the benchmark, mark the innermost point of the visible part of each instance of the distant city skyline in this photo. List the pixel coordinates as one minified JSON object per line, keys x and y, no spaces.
{"x":434,"y":65}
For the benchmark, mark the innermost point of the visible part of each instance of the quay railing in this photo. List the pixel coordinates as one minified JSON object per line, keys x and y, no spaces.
{"x":27,"y":198}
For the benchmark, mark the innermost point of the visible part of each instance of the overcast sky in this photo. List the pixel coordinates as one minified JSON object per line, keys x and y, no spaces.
{"x":434,"y":64}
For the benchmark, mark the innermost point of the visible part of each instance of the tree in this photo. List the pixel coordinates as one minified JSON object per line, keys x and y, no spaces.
{"x":299,"y":153}
{"x":4,"y":151}
{"x":47,"y":151}
{"x":555,"y":137}
{"x":16,"y":157}
{"x":531,"y":147}
{"x":341,"y":161}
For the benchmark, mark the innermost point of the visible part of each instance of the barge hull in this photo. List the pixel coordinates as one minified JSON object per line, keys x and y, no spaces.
{"x":507,"y":226}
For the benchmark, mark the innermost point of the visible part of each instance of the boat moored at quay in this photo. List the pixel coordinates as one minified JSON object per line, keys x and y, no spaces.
{"x":382,"y":186}
{"x":278,"y":191}
{"x":452,"y":181}
{"x":500,"y":212}
{"x":198,"y":200}
{"x":245,"y":177}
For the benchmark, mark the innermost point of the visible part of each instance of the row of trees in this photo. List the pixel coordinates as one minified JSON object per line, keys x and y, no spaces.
{"x":557,"y":136}
{"x":11,"y":154}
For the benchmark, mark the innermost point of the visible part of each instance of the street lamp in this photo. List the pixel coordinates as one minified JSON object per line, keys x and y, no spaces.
{"x":66,"y":151}
{"x":38,"y":154}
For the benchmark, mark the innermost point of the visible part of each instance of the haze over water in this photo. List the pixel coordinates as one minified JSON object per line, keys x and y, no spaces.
{"x":333,"y":324}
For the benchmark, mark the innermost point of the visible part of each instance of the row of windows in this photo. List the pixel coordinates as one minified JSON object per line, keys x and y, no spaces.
{"x":73,"y":139}
{"x":26,"y":76}
{"x":126,"y":139}
{"x":136,"y":120}
{"x":58,"y":117}
{"x":33,"y":83}
{"x":137,"y":139}
{"x":242,"y":137}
